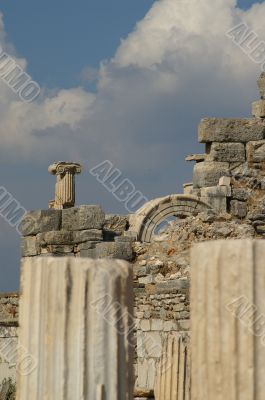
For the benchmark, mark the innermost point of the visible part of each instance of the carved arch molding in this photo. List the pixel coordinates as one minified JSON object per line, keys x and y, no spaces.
{"x":144,"y":222}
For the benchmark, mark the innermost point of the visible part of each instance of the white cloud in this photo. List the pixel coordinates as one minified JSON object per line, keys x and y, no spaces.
{"x":174,"y":68}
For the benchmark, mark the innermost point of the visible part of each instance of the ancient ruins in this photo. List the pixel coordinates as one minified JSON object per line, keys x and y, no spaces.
{"x":182,"y":306}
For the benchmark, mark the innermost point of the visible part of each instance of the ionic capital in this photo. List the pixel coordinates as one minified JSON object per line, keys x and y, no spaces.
{"x":61,"y":167}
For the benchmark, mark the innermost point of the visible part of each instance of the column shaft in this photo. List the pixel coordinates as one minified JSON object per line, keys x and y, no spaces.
{"x":173,"y":375}
{"x":65,"y":190}
{"x":228,"y":320}
{"x":75,"y":323}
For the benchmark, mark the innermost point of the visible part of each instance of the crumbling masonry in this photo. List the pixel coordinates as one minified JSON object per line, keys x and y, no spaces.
{"x":226,"y":199}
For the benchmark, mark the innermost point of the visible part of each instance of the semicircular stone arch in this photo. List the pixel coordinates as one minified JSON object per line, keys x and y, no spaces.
{"x":144,"y":222}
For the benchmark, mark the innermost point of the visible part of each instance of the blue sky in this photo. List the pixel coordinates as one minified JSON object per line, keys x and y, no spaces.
{"x":247,"y":3}
{"x":60,"y":38}
{"x":175,"y":67}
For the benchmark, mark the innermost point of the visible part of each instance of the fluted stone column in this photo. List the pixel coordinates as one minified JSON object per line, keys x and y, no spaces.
{"x":173,"y":374}
{"x":65,"y":185}
{"x":75,"y":322}
{"x":228,"y":320}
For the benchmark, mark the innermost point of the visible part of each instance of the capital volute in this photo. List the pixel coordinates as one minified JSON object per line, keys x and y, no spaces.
{"x":61,"y":167}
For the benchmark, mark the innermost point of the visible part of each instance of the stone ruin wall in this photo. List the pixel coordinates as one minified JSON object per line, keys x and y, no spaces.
{"x":8,"y":343}
{"x":229,"y":177}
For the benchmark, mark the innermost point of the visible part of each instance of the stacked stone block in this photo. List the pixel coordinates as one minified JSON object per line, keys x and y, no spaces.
{"x":235,"y":154}
{"x":75,"y":232}
{"x":160,"y":309}
{"x":8,"y":343}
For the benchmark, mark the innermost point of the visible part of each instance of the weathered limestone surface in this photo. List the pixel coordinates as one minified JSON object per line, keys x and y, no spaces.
{"x":230,"y":130}
{"x":55,"y":237}
{"x":65,"y":185}
{"x":83,"y":217}
{"x":8,"y":309}
{"x":216,"y":196}
{"x":241,"y":194}
{"x":29,"y":246}
{"x":187,"y":188}
{"x":75,"y":322}
{"x":258,"y":109}
{"x":261,"y":85}
{"x":40,"y":221}
{"x":239,"y":208}
{"x":228,"y":308}
{"x":225,"y":181}
{"x":119,"y":250}
{"x":173,"y":373}
{"x":195,"y":157}
{"x":116,"y":224}
{"x":87,"y":235}
{"x":207,"y":174}
{"x":256,"y":151}
{"x":227,"y":152}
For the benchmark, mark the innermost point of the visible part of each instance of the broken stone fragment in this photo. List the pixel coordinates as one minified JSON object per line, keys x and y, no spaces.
{"x":225,"y":181}
{"x":239,"y":208}
{"x":256,"y":151}
{"x":195,"y":157}
{"x":240,"y":194}
{"x":230,"y":130}
{"x":258,"y":109}
{"x":116,"y":223}
{"x":188,"y":188}
{"x":260,"y":229}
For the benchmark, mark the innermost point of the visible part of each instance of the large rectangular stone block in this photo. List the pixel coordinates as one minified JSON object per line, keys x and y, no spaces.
{"x":172,"y":286}
{"x":29,"y":246}
{"x":87,"y":235}
{"x":76,"y":324}
{"x":118,"y":250}
{"x":55,"y":237}
{"x":207,"y":174}
{"x":228,"y":320}
{"x":227,"y":152}
{"x":40,"y":221}
{"x":83,"y":217}
{"x":216,"y":196}
{"x":230,"y":130}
